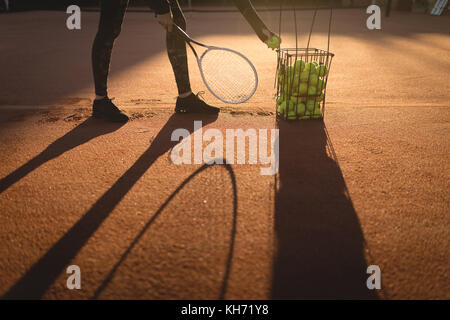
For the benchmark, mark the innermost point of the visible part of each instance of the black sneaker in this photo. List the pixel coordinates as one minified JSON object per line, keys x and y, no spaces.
{"x":105,"y":109}
{"x":193,"y":104}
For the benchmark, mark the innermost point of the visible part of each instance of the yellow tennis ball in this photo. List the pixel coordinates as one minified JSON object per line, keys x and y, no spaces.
{"x":282,"y":108}
{"x":322,"y":70}
{"x":291,"y":110}
{"x":297,"y":99}
{"x":289,"y":71}
{"x":285,"y":106}
{"x":286,"y":89}
{"x":317,"y":114}
{"x":312,"y":90}
{"x":311,"y":67}
{"x":296,"y":83}
{"x":301,"y":108}
{"x":311,"y":105}
{"x":274,"y":42}
{"x":304,"y":76}
{"x":299,"y":65}
{"x":280,"y":100}
{"x":292,"y":115}
{"x":290,"y":77}
{"x":313,"y":79}
{"x":320,"y":85}
{"x":303,"y":89}
{"x":321,"y":97}
{"x":306,"y":116}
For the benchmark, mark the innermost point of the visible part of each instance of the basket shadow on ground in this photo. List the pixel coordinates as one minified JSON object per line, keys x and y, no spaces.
{"x":44,"y":272}
{"x":320,"y":241}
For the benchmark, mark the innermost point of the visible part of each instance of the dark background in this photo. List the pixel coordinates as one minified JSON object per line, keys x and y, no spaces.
{"x":63,"y":4}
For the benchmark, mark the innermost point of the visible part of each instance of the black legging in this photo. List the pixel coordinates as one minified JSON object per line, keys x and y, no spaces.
{"x":111,"y":18}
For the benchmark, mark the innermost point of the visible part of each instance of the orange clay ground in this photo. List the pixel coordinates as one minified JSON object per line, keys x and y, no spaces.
{"x":369,"y":186}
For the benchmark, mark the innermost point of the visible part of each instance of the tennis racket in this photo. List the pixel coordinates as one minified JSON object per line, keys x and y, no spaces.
{"x":229,"y":75}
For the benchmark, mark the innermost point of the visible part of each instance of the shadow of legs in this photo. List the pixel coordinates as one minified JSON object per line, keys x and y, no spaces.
{"x":86,"y":131}
{"x":42,"y":274}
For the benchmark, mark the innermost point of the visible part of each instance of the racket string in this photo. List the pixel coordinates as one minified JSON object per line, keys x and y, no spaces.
{"x":228,"y":75}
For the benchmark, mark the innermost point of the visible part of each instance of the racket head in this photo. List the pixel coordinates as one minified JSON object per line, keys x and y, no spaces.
{"x":228,"y":74}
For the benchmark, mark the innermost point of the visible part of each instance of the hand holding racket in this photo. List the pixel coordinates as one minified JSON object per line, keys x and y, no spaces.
{"x":228,"y":74}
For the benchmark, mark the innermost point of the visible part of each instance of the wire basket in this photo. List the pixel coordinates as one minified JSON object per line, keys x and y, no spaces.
{"x":301,"y":82}
{"x":302,"y":76}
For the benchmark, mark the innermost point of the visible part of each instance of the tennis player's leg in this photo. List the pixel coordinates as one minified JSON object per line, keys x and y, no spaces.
{"x":111,"y":18}
{"x":187,"y":102}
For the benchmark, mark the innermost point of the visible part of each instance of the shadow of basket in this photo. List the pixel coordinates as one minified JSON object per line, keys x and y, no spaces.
{"x":320,"y":244}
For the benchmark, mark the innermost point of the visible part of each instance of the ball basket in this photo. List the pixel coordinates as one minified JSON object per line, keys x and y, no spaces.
{"x":301,"y":83}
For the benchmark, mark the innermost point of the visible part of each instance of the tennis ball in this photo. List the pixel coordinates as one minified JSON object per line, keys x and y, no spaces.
{"x":296,"y":99}
{"x":317,"y":114}
{"x":282,"y":108}
{"x":285,"y":87}
{"x":289,"y":71}
{"x":280,"y":100}
{"x":313,"y":79}
{"x":290,"y":77}
{"x":320,"y":85}
{"x":304,"y":76}
{"x":299,"y":65}
{"x":320,"y":98}
{"x":291,"y":110}
{"x":306,"y":116}
{"x":290,"y":88}
{"x":274,"y":42}
{"x":287,"y":91}
{"x":312,"y":90}
{"x":286,"y":81}
{"x":285,"y":105}
{"x":322,"y":70}
{"x":296,"y":82}
{"x":292,"y":115}
{"x":303,"y":89}
{"x":301,"y":108}
{"x":311,"y":67}
{"x":311,"y":105}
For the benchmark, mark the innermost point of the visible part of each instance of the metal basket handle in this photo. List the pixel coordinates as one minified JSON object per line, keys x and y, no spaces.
{"x":311,"y":29}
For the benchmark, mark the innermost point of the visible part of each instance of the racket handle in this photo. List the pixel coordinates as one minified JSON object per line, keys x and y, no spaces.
{"x":182,"y":32}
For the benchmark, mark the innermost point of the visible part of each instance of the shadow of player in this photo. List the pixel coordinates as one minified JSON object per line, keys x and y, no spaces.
{"x":44,"y":272}
{"x":83,"y":133}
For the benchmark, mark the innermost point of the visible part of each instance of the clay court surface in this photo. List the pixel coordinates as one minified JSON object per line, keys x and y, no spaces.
{"x":369,"y":186}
